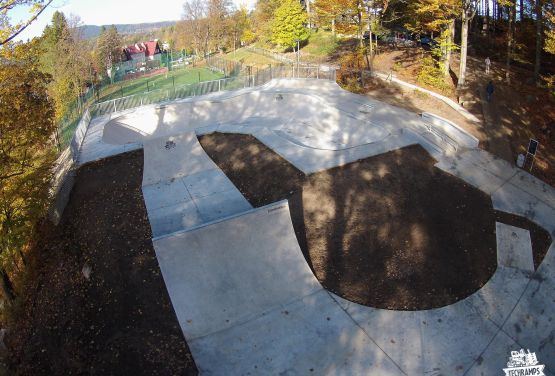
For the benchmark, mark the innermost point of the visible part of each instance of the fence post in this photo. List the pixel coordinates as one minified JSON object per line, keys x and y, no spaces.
{"x":318,"y":72}
{"x":219,"y":85}
{"x":115,"y":108}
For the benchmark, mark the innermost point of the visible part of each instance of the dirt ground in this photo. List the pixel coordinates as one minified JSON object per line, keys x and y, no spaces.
{"x":119,"y":321}
{"x":390,"y":231}
{"x":518,"y":111}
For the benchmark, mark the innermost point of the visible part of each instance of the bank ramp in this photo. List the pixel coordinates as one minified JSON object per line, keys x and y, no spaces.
{"x":249,"y":304}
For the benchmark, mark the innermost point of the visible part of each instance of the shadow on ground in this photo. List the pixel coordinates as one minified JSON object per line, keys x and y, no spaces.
{"x":389,"y":232}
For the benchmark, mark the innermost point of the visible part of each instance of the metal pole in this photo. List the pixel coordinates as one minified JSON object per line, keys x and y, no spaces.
{"x":298,"y":55}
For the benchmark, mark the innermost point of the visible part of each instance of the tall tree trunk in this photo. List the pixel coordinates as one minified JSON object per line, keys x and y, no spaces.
{"x":521,"y":10}
{"x":464,"y":50}
{"x":510,"y":39}
{"x":307,"y":2}
{"x":6,"y":286}
{"x":447,"y":50}
{"x":539,"y":40}
{"x":370,"y":38}
{"x":486,"y":3}
{"x":360,"y":22}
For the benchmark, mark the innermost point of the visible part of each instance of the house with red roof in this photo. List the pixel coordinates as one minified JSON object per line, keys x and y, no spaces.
{"x":143,"y":51}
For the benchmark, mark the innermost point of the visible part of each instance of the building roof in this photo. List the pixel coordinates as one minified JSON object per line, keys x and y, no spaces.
{"x":149,"y":48}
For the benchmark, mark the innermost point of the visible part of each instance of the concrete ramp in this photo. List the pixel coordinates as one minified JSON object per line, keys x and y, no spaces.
{"x":248,"y":303}
{"x":183,"y":187}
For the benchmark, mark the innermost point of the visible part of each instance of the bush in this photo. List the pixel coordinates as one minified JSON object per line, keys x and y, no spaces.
{"x":431,"y":74}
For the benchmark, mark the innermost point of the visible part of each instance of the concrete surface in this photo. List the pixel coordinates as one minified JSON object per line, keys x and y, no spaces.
{"x":258,"y":308}
{"x":514,"y":247}
{"x":315,"y":120}
{"x":183,"y":187}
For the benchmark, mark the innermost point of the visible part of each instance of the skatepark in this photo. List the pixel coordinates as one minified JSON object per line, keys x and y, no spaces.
{"x":244,"y":295}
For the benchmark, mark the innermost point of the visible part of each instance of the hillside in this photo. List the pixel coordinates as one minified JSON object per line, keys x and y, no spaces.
{"x":92,"y":31}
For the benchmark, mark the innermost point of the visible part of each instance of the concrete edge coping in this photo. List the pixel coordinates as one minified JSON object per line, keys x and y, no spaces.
{"x":461,"y":110}
{"x":426,"y":115}
{"x":219,"y":220}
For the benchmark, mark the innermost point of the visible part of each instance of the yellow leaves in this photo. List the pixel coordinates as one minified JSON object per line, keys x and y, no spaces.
{"x":26,"y":125}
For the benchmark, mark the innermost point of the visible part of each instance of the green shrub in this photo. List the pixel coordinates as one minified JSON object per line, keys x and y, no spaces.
{"x":431,"y":74}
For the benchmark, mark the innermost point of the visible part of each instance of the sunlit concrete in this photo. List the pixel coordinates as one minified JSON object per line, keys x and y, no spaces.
{"x":313,"y":119}
{"x":514,"y":247}
{"x":249,"y":304}
{"x":183,"y":187}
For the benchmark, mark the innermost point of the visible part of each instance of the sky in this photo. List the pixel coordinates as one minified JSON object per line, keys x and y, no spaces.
{"x":107,"y":12}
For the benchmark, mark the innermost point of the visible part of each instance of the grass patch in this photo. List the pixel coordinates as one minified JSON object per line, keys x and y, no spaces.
{"x":250,"y":58}
{"x":321,"y":43}
{"x":147,"y":84}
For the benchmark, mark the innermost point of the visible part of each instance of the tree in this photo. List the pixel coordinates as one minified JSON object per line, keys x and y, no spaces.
{"x":439,"y":16}
{"x":329,"y":11}
{"x":26,"y":152}
{"x":196,"y":26}
{"x":468,"y":12}
{"x":66,"y":59}
{"x":218,"y":13}
{"x":263,"y":17}
{"x":289,"y":24}
{"x":241,"y":27}
{"x":108,"y":49}
{"x":539,"y":39}
{"x":511,"y":5}
{"x":7,"y":31}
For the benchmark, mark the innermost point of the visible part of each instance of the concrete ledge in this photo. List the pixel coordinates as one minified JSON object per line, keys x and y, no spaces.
{"x":451,"y":103}
{"x":451,"y":130}
{"x":63,"y":178}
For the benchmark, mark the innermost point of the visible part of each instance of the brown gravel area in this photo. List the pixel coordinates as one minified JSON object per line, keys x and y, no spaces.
{"x":118,"y":322}
{"x":390,"y":231}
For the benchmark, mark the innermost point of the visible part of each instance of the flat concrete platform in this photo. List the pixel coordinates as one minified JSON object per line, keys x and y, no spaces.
{"x":183,"y":187}
{"x":514,"y":248}
{"x":258,"y":309}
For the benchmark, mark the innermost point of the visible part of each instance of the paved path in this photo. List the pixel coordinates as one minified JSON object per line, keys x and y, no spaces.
{"x":244,"y":296}
{"x":183,"y":187}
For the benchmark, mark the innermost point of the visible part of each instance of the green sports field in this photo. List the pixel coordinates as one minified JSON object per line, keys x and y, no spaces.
{"x":147,"y":84}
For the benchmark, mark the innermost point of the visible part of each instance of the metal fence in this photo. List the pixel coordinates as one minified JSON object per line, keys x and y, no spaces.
{"x":226,"y":67}
{"x":270,"y":54}
{"x":258,"y":78}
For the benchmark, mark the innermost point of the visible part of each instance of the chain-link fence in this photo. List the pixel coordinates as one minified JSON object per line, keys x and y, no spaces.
{"x":226,"y":67}
{"x":270,"y":54}
{"x":76,"y":131}
{"x":257,"y":78}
